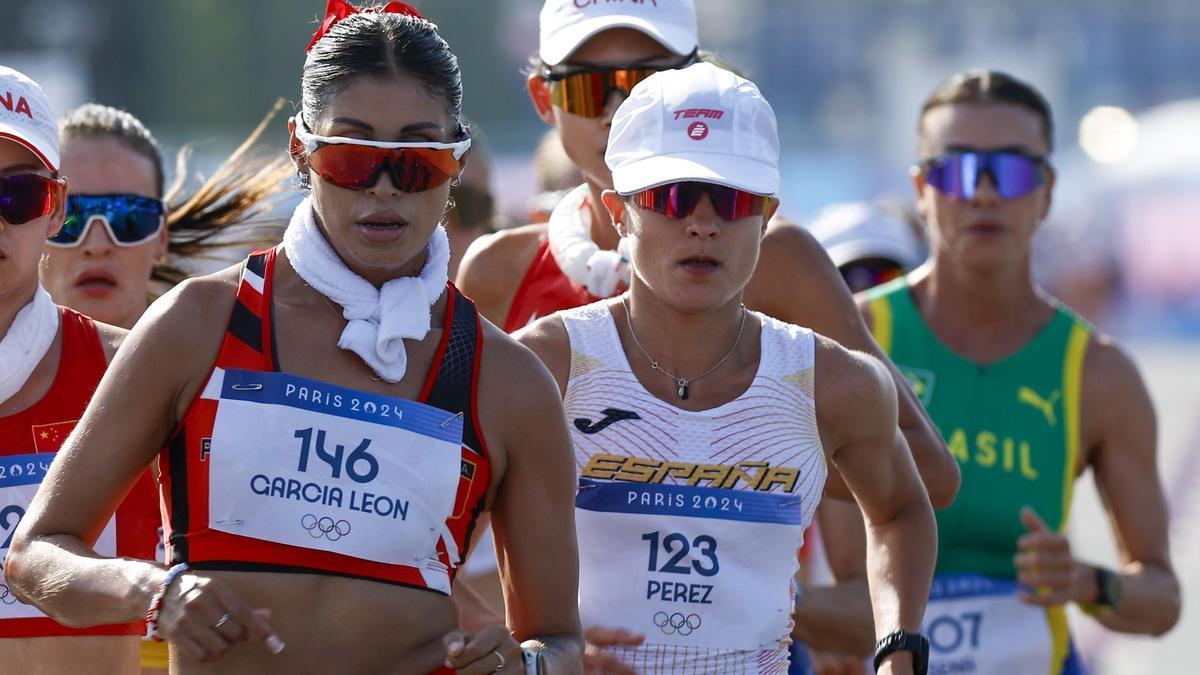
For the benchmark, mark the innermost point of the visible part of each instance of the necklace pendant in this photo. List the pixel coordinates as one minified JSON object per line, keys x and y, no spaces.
{"x":683,"y":389}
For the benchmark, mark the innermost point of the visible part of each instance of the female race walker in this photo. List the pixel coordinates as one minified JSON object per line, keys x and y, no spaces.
{"x":333,"y":417}
{"x":127,"y":232}
{"x":703,"y":431}
{"x":1027,"y":395}
{"x":590,"y":55}
{"x":51,"y":359}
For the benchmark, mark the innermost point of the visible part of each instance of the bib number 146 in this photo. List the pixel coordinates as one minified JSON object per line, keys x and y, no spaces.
{"x":677,"y":548}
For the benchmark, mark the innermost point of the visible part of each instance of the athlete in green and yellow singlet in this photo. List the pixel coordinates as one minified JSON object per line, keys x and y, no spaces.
{"x":1027,"y":396}
{"x":1013,"y":426}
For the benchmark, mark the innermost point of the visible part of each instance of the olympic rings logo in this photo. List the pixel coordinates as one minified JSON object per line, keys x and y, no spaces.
{"x":324,"y":527}
{"x":6,"y":596}
{"x":677,"y":623}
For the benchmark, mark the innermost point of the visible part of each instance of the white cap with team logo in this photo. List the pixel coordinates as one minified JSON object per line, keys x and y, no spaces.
{"x":567,"y":24}
{"x":700,"y":123}
{"x":26,"y":116}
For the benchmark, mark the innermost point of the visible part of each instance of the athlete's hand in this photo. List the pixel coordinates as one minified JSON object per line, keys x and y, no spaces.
{"x":483,"y":652}
{"x":596,"y":662}
{"x":1045,"y":564}
{"x":203,"y":618}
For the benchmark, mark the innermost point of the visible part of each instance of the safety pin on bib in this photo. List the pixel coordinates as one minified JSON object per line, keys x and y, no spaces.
{"x":247,"y":387}
{"x":455,"y":416}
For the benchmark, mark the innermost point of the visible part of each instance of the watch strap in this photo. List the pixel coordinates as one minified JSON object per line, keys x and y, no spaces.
{"x":902,"y":640}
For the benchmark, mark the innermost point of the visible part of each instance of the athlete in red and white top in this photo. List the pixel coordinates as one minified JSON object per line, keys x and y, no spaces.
{"x":334,"y":416}
{"x":704,"y":431}
{"x":51,"y":360}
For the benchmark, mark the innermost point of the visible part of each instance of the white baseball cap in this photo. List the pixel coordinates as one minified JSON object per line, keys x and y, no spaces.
{"x":26,"y":116}
{"x":567,"y":24}
{"x":853,"y":231}
{"x":700,"y":123}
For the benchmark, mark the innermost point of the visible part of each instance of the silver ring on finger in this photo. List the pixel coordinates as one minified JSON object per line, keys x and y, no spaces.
{"x":222,"y":621}
{"x":502,"y":662}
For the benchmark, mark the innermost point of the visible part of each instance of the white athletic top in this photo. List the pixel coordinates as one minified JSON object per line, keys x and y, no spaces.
{"x":689,"y":522}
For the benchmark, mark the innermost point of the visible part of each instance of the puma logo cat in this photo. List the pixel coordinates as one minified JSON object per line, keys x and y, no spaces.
{"x":1046,"y":405}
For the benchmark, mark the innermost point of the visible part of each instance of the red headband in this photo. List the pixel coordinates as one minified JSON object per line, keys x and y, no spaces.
{"x":336,"y":10}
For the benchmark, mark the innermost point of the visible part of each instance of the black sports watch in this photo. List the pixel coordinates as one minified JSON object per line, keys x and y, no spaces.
{"x":908,"y":642}
{"x":1108,"y":592}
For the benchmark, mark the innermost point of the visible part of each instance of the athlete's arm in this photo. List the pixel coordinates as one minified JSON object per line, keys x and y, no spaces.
{"x":548,"y":339}
{"x":51,"y":563}
{"x":494,"y":266}
{"x":796,"y":282}
{"x":1119,"y":432}
{"x":838,"y":618}
{"x":533,"y":515}
{"x":856,"y":412}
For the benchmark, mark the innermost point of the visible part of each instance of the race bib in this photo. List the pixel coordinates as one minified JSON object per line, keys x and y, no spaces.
{"x":977,"y":624}
{"x":688,"y":566}
{"x":20,"y":476}
{"x":309,"y":464}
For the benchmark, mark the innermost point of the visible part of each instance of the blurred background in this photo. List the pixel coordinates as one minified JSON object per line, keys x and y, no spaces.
{"x":846,"y":79}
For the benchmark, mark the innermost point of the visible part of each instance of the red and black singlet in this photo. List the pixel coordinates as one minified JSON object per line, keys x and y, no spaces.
{"x":249,"y":345}
{"x":28,"y":441}
{"x":544,"y":291}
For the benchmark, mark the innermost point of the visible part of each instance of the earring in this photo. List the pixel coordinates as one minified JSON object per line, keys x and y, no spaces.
{"x":302,"y":181}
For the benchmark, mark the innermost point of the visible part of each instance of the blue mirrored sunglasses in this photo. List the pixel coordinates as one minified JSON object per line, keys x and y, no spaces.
{"x":957,"y":174}
{"x":129,"y":219}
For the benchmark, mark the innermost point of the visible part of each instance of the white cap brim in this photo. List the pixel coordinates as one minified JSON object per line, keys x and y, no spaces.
{"x":45,"y":149}
{"x":906,"y":256}
{"x":743,"y":173}
{"x":564,"y":43}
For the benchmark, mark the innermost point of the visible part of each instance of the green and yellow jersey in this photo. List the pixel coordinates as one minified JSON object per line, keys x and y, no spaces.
{"x":1013,"y":426}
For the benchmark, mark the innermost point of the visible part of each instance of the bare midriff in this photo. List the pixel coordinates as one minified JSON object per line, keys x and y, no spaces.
{"x":334,"y":624}
{"x":69,"y":655}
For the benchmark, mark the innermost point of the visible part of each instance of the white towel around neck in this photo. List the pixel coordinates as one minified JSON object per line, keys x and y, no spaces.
{"x":379,"y":319}
{"x":26,"y":342}
{"x":602,"y":272}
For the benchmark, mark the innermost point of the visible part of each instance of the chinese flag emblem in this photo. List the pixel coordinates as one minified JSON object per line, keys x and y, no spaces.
{"x":50,"y":437}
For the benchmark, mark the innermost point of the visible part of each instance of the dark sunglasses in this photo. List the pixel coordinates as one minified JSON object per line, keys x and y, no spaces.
{"x":957,"y":174}
{"x":679,"y":200}
{"x":129,"y":219}
{"x":585,"y":91}
{"x":869,"y":273}
{"x":27,"y":196}
{"x":356,"y":164}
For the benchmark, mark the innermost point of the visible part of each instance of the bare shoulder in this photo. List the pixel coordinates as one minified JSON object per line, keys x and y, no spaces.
{"x":1108,"y":366}
{"x":111,"y":338}
{"x":789,"y":252}
{"x":852,"y":388}
{"x":1114,"y":397}
{"x":494,"y":265}
{"x":200,"y":305}
{"x":178,"y":338}
{"x":796,"y":281}
{"x":547,"y":338}
{"x":515,"y":387}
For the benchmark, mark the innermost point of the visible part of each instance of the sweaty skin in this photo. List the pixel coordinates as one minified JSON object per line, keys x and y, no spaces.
{"x":328,"y":623}
{"x":855,"y":397}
